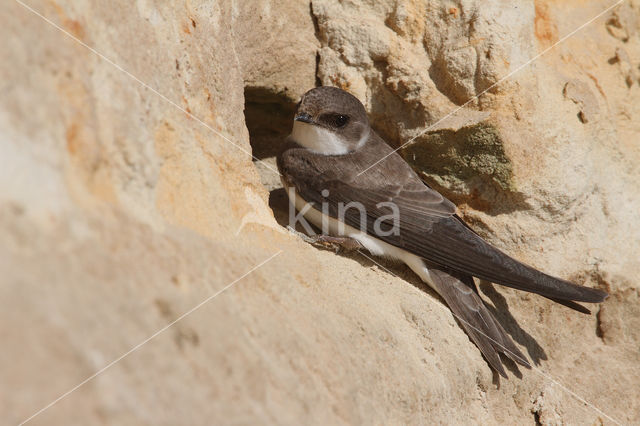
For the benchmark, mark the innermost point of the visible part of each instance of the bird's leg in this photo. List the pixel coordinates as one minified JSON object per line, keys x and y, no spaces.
{"x":328,"y":241}
{"x":346,"y":243}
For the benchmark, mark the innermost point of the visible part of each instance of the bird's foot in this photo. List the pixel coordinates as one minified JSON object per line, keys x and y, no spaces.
{"x":337,"y":243}
{"x":329,"y":242}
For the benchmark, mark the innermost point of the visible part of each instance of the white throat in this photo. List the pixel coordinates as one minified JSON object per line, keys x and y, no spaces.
{"x":320,"y":140}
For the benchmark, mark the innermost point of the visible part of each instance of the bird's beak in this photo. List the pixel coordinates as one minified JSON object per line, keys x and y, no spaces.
{"x":304,"y":117}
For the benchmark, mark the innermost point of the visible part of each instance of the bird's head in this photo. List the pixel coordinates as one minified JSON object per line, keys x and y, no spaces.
{"x":330,"y":121}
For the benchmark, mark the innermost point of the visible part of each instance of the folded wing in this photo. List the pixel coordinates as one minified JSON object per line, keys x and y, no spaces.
{"x":428,"y":225}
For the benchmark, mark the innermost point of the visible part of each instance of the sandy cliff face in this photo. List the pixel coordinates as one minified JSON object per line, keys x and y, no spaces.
{"x":128,"y":196}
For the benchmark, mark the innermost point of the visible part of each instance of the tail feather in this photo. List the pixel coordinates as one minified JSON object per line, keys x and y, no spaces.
{"x":573,"y":305}
{"x":460,"y":294}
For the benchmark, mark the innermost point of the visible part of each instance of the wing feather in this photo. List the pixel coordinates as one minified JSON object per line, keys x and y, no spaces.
{"x":428,"y":224}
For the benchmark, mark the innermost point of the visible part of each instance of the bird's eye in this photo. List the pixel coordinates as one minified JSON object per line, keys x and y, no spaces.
{"x":336,"y":120}
{"x":341,"y":120}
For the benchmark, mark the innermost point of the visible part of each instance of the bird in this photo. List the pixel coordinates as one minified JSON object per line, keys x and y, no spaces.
{"x":342,"y":177}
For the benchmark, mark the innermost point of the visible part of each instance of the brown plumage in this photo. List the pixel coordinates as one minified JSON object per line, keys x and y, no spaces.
{"x":429,"y":227}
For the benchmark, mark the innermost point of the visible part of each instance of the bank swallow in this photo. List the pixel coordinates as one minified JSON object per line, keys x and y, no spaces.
{"x":392,"y":213}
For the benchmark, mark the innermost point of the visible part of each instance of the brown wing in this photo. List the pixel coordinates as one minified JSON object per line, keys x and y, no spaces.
{"x":428,"y":226}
